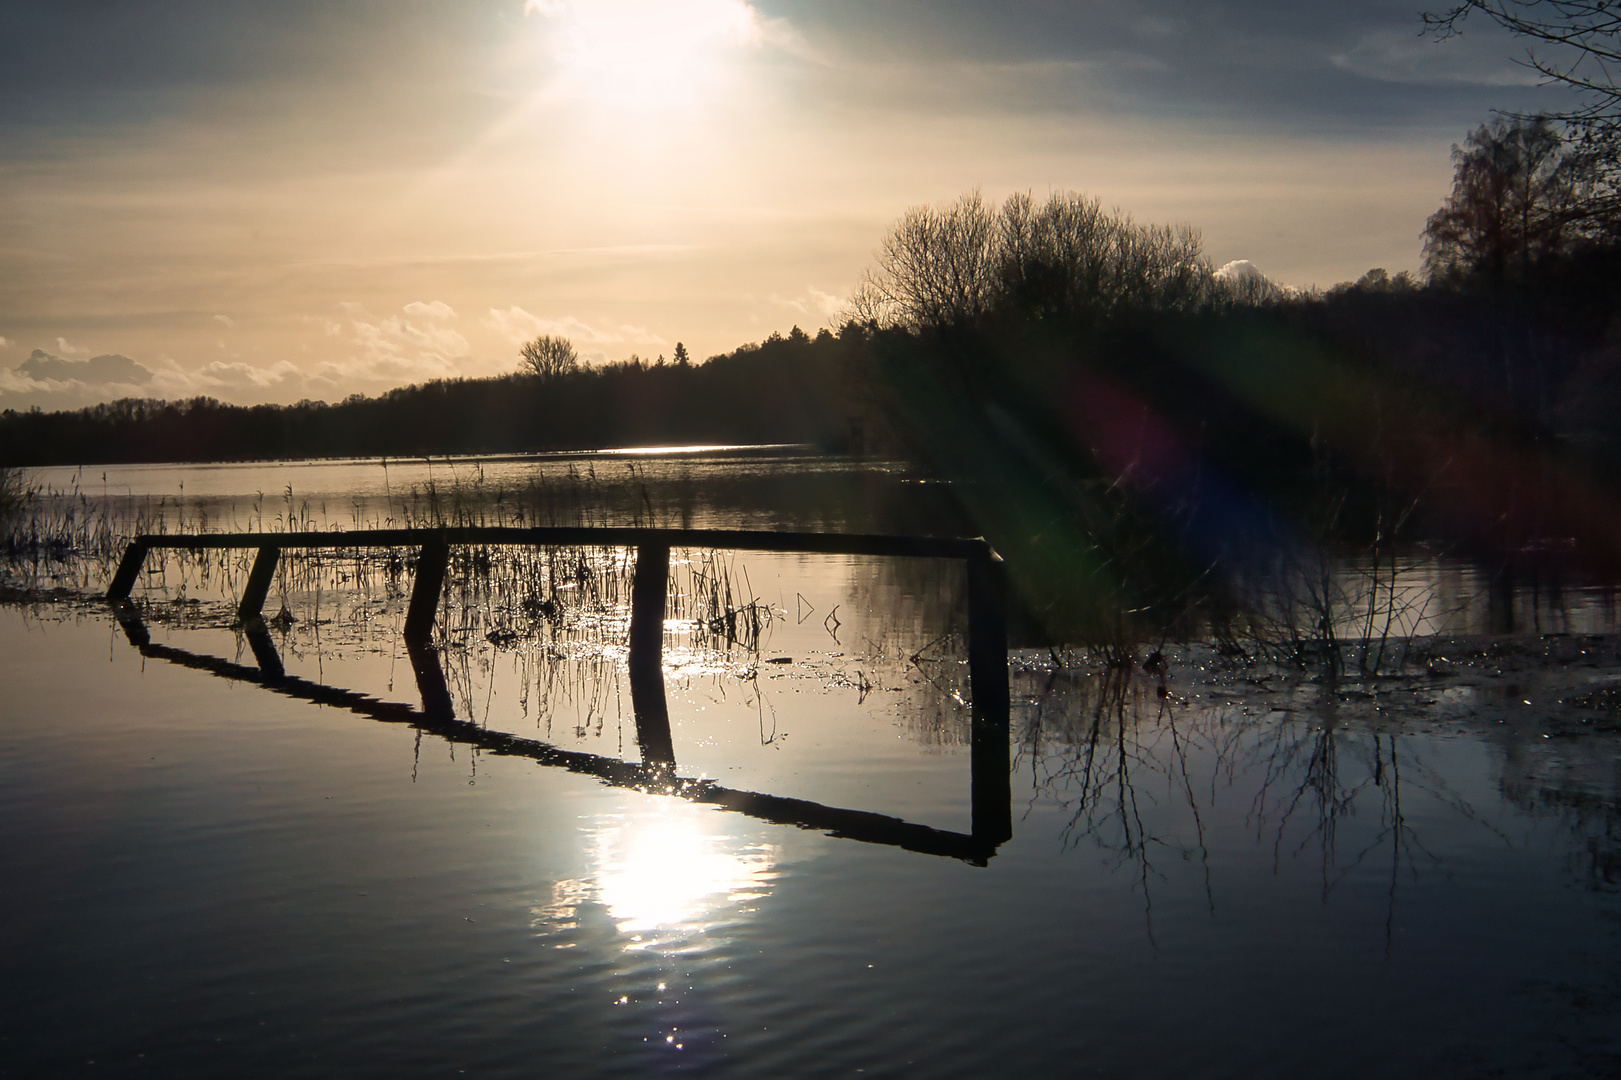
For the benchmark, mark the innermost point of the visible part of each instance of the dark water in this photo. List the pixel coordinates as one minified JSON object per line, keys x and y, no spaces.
{"x":1249,"y":874}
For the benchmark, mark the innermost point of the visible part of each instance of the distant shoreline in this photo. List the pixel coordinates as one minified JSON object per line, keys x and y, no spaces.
{"x":701,"y":449}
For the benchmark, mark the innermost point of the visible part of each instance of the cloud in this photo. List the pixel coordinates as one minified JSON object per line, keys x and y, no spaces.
{"x":367,"y":353}
{"x":778,"y":33}
{"x":4,"y":343}
{"x":1403,"y":57}
{"x":418,"y":344}
{"x":108,"y":369}
{"x":812,"y":301}
{"x":65,"y":349}
{"x":225,"y":320}
{"x":14,"y":383}
{"x":437,"y":309}
{"x":377,"y":370}
{"x":228,"y":379}
{"x":54,"y":382}
{"x":1243,"y":279}
{"x":517,"y":325}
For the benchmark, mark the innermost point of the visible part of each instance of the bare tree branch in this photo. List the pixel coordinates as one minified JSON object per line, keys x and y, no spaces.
{"x":548,"y":357}
{"x":1574,"y":43}
{"x":956,"y":264}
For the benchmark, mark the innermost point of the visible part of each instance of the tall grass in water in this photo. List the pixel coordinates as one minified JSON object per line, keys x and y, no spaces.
{"x":60,"y":539}
{"x":557,"y":600}
{"x":1312,"y":610}
{"x":11,"y":492}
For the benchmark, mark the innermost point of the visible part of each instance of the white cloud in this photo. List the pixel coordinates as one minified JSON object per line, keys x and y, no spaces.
{"x":225,"y":320}
{"x":1239,"y":270}
{"x":381,"y":369}
{"x":1244,"y":279}
{"x":408,"y":349}
{"x":225,"y":379}
{"x":392,"y":337}
{"x":517,"y":325}
{"x":779,"y":33}
{"x":15,"y":382}
{"x":4,"y":343}
{"x":437,"y":309}
{"x":1404,"y":57}
{"x":374,"y":354}
{"x":812,"y":301}
{"x":65,"y":349}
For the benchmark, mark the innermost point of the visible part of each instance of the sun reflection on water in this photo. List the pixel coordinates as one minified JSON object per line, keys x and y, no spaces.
{"x":663,"y":873}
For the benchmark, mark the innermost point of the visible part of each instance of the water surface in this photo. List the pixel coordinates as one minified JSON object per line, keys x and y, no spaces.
{"x":1224,"y":871}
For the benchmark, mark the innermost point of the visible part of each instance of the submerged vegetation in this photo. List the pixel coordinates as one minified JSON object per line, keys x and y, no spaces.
{"x":12,"y":492}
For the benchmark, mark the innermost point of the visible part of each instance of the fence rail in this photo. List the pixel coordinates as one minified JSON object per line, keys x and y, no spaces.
{"x":987,"y":583}
{"x":987,"y":636}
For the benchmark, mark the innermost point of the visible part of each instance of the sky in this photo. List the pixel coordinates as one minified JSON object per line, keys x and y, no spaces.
{"x":317,"y":198}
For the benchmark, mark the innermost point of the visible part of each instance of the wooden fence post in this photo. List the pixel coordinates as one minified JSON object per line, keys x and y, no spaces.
{"x":259,"y":578}
{"x":647,"y":699}
{"x":129,"y":568}
{"x":989,"y":762}
{"x":432,"y":561}
{"x":987,"y":637}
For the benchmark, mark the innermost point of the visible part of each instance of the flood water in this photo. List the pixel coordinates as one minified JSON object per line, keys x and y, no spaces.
{"x":223,"y":862}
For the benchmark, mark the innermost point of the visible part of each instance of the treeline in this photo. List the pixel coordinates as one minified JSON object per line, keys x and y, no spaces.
{"x":786,"y":389}
{"x":1137,"y":433}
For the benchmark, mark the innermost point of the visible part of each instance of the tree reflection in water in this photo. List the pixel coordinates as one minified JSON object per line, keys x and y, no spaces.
{"x":1139,"y":771}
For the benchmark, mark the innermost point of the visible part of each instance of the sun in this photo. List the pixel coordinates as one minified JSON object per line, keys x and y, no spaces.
{"x":645,"y":53}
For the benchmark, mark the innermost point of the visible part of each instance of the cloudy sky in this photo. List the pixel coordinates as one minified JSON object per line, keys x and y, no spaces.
{"x":311,"y":198}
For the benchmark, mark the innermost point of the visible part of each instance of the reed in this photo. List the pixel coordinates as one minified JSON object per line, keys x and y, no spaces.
{"x":12,"y":487}
{"x":1357,"y":611}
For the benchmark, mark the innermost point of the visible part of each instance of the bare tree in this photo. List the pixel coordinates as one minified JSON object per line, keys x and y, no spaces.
{"x":935,"y":267}
{"x":941,"y":266}
{"x":1573,"y":43}
{"x":1517,"y":197}
{"x":549,"y":357}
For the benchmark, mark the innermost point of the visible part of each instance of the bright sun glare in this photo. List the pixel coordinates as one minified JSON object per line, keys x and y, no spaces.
{"x":668,"y":872}
{"x":645,"y":53}
{"x":664,"y":873}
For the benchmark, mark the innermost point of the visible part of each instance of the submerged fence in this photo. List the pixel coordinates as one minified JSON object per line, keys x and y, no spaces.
{"x":987,"y":646}
{"x":987,"y":583}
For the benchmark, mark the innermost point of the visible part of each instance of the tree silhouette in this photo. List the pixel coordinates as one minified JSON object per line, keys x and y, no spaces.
{"x":548,"y":357}
{"x":1517,"y":197}
{"x":957,"y":264}
{"x":935,"y":267}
